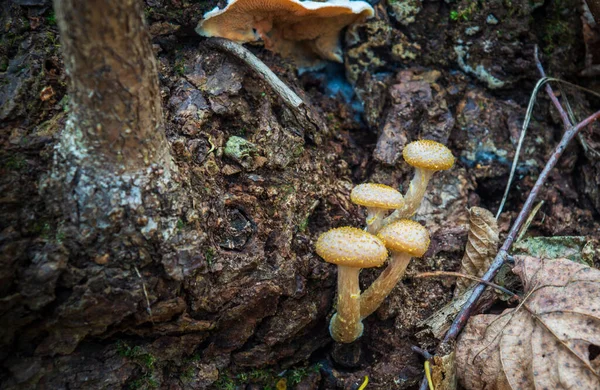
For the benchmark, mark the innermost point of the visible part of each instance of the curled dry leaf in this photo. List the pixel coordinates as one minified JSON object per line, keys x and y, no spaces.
{"x":481,"y":247}
{"x":551,"y":341}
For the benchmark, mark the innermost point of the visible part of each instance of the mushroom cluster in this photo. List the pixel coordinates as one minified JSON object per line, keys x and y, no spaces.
{"x":352,"y":249}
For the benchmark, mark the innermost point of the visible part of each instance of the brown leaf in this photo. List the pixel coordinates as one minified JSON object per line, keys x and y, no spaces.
{"x":548,"y":342}
{"x":481,"y":247}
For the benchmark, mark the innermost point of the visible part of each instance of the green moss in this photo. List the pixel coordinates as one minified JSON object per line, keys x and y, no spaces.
{"x":145,"y":382}
{"x":303,"y":225}
{"x":558,"y":33}
{"x":188,"y":375}
{"x":575,"y":248}
{"x":179,"y":67}
{"x":464,"y":13}
{"x":3,"y":68}
{"x":266,"y":378}
{"x":297,"y":375}
{"x":51,"y":18}
{"x":298,"y":150}
{"x":51,"y":40}
{"x":15,"y":162}
{"x":43,"y":229}
{"x":142,"y":358}
{"x":225,"y":383}
{"x":238,"y":149}
{"x":60,"y":235}
{"x":209,"y":255}
{"x":48,"y":232}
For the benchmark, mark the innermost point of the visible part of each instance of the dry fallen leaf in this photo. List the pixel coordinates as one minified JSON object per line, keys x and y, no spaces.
{"x":482,"y":246}
{"x":551,"y":341}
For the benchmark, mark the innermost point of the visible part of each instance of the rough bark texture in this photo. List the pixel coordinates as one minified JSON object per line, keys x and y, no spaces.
{"x":224,"y":241}
{"x":113,"y":82}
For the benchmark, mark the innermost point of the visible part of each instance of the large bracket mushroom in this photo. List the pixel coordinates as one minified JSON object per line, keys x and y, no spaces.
{"x":305,"y":31}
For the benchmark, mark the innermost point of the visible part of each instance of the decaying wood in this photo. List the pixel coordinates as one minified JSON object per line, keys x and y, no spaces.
{"x":290,"y":97}
{"x":439,"y":322}
{"x":481,"y":246}
{"x":301,"y":111}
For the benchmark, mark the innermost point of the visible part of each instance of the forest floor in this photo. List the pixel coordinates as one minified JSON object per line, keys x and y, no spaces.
{"x":245,"y":301}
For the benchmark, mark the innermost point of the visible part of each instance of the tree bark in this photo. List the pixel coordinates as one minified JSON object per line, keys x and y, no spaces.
{"x":116,"y":112}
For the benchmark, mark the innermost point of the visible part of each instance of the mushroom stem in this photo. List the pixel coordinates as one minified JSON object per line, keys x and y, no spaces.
{"x":374,"y":219}
{"x":372,"y":298}
{"x":345,"y":325}
{"x":413,"y":197}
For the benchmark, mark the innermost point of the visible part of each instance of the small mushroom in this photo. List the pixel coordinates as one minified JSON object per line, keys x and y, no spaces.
{"x":351,"y":249}
{"x":427,"y":157}
{"x":306,"y":31}
{"x":405,"y":239}
{"x":378,"y":199}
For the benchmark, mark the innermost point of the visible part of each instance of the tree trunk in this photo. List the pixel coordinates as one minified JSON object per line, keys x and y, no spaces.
{"x":116,"y":112}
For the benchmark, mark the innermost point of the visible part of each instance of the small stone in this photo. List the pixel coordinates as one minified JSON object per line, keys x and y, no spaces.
{"x":142,"y":220}
{"x":229,"y":170}
{"x":472,"y":30}
{"x":102,"y":260}
{"x":259,"y":161}
{"x":491,"y":19}
{"x":150,"y":229}
{"x":47,"y":93}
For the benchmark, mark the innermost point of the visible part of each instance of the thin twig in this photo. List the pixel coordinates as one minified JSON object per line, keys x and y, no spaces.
{"x":308,"y":118}
{"x":148,"y":308}
{"x":421,"y":352}
{"x":563,"y":115}
{"x":541,"y":82}
{"x":529,"y":221}
{"x":524,"y":127}
{"x":290,"y":98}
{"x":471,"y":277}
{"x":465,"y":313}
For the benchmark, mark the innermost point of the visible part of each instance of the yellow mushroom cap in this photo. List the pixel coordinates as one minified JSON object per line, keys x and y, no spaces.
{"x":377,"y":195}
{"x":405,"y":236}
{"x":428,"y":154}
{"x":351,"y":247}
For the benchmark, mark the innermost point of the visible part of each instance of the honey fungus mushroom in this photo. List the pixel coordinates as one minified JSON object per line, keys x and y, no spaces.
{"x":306,"y":32}
{"x":350,"y":249}
{"x":404,"y":239}
{"x":427,"y":157}
{"x":378,"y":199}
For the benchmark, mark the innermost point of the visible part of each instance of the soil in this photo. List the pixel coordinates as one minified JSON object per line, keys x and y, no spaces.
{"x":233,"y":296}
